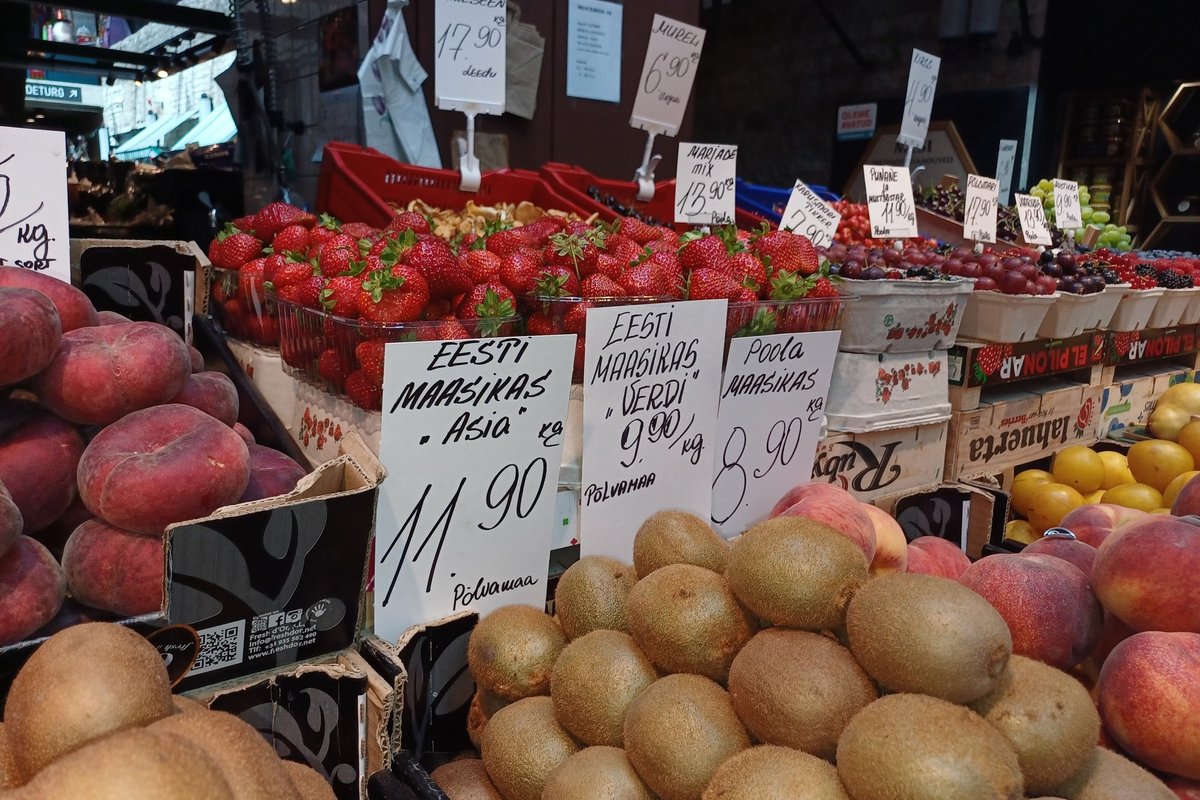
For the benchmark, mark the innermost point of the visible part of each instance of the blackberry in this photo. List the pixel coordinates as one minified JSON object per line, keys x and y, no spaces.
{"x":1146,"y":270}
{"x":1174,"y":279}
{"x":1109,"y":275}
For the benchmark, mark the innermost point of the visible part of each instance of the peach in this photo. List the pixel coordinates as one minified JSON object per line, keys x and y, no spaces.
{"x":891,"y":546}
{"x":271,"y":474}
{"x":244,"y":432}
{"x":213,"y":393}
{"x":798,"y":493}
{"x":1147,"y":575}
{"x":1188,"y":500}
{"x":33,"y":589}
{"x":75,"y":310}
{"x":114,"y":570}
{"x":101,"y":374}
{"x":836,"y":508}
{"x":55,"y":535}
{"x":1183,"y":788}
{"x":30,"y":331}
{"x":1047,"y":602}
{"x":37,"y":463}
{"x":107,"y":317}
{"x":1149,"y":699}
{"x":1094,"y":523}
{"x":943,"y":557}
{"x":11,"y":521}
{"x":197,"y":359}
{"x":162,"y":465}
{"x":1068,"y":548}
{"x":1112,"y":634}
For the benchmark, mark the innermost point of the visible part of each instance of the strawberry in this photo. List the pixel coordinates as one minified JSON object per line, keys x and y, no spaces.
{"x":326,"y":228}
{"x":538,"y":231}
{"x":575,"y":319}
{"x":306,"y":292}
{"x":823,"y":287}
{"x":639,"y":231}
{"x":519,"y":270}
{"x":441,"y":307}
{"x":399,"y":295}
{"x":711,"y":284}
{"x":748,"y":270}
{"x":245,"y":223}
{"x":644,"y":280}
{"x":580,"y":349}
{"x":297,"y":348}
{"x":704,"y":252}
{"x":274,"y":217}
{"x":450,"y":328}
{"x":557,"y":282}
{"x":263,"y":330}
{"x":599,"y":285}
{"x":481,"y":266}
{"x":292,"y":239}
{"x":232,"y":248}
{"x":786,"y":251}
{"x":391,"y":248}
{"x":609,"y":266}
{"x":623,"y":248}
{"x":487,"y":300}
{"x":435,"y":260}
{"x":251,"y":283}
{"x":363,"y":392}
{"x":370,"y":358}
{"x":541,"y":323}
{"x":293,"y":270}
{"x":572,"y":250}
{"x":334,"y":367}
{"x":272,"y":265}
{"x":340,"y":295}
{"x":360,"y":230}
{"x":577,"y":227}
{"x":505,"y":242}
{"x":786,"y":285}
{"x":338,"y":255}
{"x":410,"y":221}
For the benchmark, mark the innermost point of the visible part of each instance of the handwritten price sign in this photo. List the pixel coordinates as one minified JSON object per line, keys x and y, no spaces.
{"x":1067,"y":214}
{"x":1006,"y":159}
{"x":469,"y":55}
{"x":472,"y":441}
{"x":770,"y":420}
{"x":979,"y":213}
{"x":890,"y":202}
{"x":1034,"y":227}
{"x":672,"y":59}
{"x":704,"y":187}
{"x":918,"y":100}
{"x":652,"y":375}
{"x":34,"y":227}
{"x":809,"y":215}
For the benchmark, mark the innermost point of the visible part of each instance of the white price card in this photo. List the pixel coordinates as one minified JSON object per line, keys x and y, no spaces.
{"x":809,"y":215}
{"x":672,"y":58}
{"x":1034,"y":227}
{"x":652,"y":377}
{"x":918,"y":100}
{"x":1067,"y":214}
{"x":772,"y":403}
{"x":34,"y":226}
{"x":472,"y":437}
{"x":1006,"y":159}
{"x":594,"y":50}
{"x":979,"y":209}
{"x":469,"y":55}
{"x":705,"y":183}
{"x":890,"y":202}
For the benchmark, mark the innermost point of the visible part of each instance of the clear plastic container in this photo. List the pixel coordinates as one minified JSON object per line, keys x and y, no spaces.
{"x":242,"y":310}
{"x":803,"y":315}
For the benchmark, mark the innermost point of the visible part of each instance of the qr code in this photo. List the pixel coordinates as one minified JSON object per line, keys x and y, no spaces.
{"x":219,"y":647}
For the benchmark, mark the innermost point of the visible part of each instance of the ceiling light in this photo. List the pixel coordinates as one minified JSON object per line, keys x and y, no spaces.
{"x":138,"y":80}
{"x":29,"y":121}
{"x":162,"y":72}
{"x":39,"y":115}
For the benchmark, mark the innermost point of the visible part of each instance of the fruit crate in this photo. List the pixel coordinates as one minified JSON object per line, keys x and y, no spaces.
{"x":1006,"y":318}
{"x":903,"y":316}
{"x":769,"y":202}
{"x":803,"y":315}
{"x":587,"y":191}
{"x":878,"y":391}
{"x":359,"y":184}
{"x":1073,"y":314}
{"x":979,"y":369}
{"x":242,"y":310}
{"x":1134,"y":310}
{"x":1171,"y":306}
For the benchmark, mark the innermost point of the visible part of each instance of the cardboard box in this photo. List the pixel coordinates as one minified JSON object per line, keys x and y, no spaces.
{"x":976,"y":368}
{"x":1180,"y":344}
{"x":1130,"y":401}
{"x":884,"y":462}
{"x":965,"y":514}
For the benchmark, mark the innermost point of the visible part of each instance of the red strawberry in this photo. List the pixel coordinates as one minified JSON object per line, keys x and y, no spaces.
{"x":297,"y":349}
{"x":711,"y":284}
{"x":293,"y":270}
{"x":823,"y":288}
{"x":580,"y":349}
{"x":541,"y":323}
{"x":599,"y":285}
{"x":337,"y":256}
{"x":608,"y":265}
{"x":557,"y":282}
{"x":747,"y":270}
{"x":340,"y":295}
{"x":480,"y":265}
{"x":408,"y":220}
{"x":306,"y":292}
{"x":274,"y":217}
{"x":787,"y":285}
{"x":644,"y":280}
{"x":623,"y":248}
{"x":292,"y":239}
{"x":639,"y":231}
{"x":391,"y":247}
{"x":360,"y":230}
{"x":520,"y":269}
{"x":436,"y":261}
{"x":577,"y":227}
{"x":370,"y":357}
{"x":505,"y":242}
{"x":363,"y":392}
{"x":575,"y":320}
{"x":326,"y":228}
{"x":441,"y":307}
{"x":272,"y":265}
{"x":334,"y":367}
{"x":704,"y":252}
{"x":487,"y":300}
{"x":572,"y":250}
{"x":787,"y":251}
{"x":538,"y":231}
{"x":263,"y":330}
{"x":245,"y":224}
{"x":251,"y":283}
{"x":399,"y":295}
{"x":442,"y":329}
{"x":232,"y":248}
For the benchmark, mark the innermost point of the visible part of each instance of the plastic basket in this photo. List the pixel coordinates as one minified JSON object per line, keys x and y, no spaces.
{"x":574,"y":183}
{"x":359,"y":184}
{"x":769,"y":202}
{"x":242,"y":311}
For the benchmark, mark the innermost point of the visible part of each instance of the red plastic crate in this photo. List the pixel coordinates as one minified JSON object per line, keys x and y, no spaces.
{"x":572,"y":182}
{"x":359,"y":184}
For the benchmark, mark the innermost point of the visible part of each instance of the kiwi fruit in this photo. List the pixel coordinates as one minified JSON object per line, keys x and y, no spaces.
{"x":1047,"y":716}
{"x":770,"y":772}
{"x":678,"y":732}
{"x":250,"y":765}
{"x":677,"y":537}
{"x":465,"y":779}
{"x":1108,"y":776}
{"x":522,"y":744}
{"x":596,"y":773}
{"x":477,"y":719}
{"x":915,"y":747}
{"x":8,"y":778}
{"x":491,"y":702}
{"x":798,"y":689}
{"x":595,"y":679}
{"x":186,"y":705}
{"x":686,"y":619}
{"x":512,"y":651}
{"x":309,"y":784}
{"x":135,"y":764}
{"x":82,"y":683}
{"x":796,"y":573}
{"x":928,"y":635}
{"x":590,"y":596}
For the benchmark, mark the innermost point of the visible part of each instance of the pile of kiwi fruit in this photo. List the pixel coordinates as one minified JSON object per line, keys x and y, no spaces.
{"x":771,"y":666}
{"x":91,"y":715}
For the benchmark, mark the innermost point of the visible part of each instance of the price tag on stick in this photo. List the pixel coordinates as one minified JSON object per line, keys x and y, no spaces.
{"x":769,"y":422}
{"x":979,"y":211}
{"x":472,"y":436}
{"x":809,"y":215}
{"x":652,"y":377}
{"x":1006,"y":159}
{"x":1034,"y":227}
{"x":672,"y":58}
{"x":918,"y":99}
{"x":705,"y":185}
{"x":469,"y":55}
{"x":1067,"y":214}
{"x":890,"y":202}
{"x":34,"y":226}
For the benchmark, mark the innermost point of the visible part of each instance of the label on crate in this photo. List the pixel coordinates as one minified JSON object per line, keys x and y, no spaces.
{"x":1128,"y":347}
{"x":979,"y":209}
{"x":469,"y":55}
{"x":1034,"y":227}
{"x":890,"y":202}
{"x":672,"y":59}
{"x":918,"y":100}
{"x":652,"y":378}
{"x":704,"y":186}
{"x":882,"y":462}
{"x":808,"y":214}
{"x":1006,"y":160}
{"x":472,"y":441}
{"x":769,"y":423}
{"x":34,"y":230}
{"x":1067,"y":214}
{"x":994,"y":364}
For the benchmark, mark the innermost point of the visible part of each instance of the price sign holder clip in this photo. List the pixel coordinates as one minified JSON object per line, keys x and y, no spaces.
{"x":468,"y":162}
{"x":645,"y":173}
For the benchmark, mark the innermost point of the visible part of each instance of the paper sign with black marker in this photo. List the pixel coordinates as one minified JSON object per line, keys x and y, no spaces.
{"x":652,"y":377}
{"x":472,"y":441}
{"x":1067,"y":214}
{"x":1006,"y":159}
{"x":809,"y":215}
{"x":705,"y":185}
{"x":34,"y":225}
{"x":918,"y":99}
{"x":1034,"y":227}
{"x":772,"y":404}
{"x":672,"y":59}
{"x":979,"y":209}
{"x":469,"y":55}
{"x":890,"y":202}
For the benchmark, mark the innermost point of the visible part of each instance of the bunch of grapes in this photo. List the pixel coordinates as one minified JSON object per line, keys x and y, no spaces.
{"x":1111,"y":236}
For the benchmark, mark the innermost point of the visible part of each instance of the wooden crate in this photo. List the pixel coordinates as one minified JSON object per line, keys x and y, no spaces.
{"x":1129,"y":400}
{"x":978,"y":369}
{"x":1156,"y":347}
{"x":879,"y":463}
